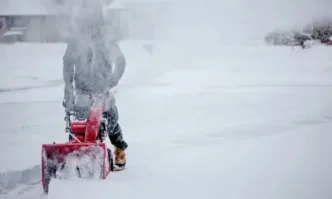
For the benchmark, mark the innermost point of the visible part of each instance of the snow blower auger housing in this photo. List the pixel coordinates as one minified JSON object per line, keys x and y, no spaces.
{"x":85,"y":155}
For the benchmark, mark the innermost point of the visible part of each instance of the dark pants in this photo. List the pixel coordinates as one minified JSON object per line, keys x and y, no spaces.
{"x":113,"y":128}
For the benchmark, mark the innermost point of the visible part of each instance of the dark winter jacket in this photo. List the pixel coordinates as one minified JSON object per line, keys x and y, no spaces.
{"x":89,"y":62}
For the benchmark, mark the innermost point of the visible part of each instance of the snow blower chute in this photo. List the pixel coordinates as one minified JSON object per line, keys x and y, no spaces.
{"x":85,"y":155}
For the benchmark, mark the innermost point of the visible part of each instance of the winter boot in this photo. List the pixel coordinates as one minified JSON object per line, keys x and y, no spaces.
{"x":120,"y":158}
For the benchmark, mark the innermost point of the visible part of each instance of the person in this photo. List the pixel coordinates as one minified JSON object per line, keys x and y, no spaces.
{"x":88,"y":63}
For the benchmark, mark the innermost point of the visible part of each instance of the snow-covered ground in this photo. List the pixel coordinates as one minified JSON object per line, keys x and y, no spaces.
{"x":244,"y":122}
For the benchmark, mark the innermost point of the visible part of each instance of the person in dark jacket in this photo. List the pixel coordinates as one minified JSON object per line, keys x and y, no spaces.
{"x":88,"y":62}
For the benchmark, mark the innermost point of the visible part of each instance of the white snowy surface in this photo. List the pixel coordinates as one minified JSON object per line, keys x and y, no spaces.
{"x":249,"y":122}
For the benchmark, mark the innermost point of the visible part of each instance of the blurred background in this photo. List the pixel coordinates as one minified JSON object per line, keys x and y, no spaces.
{"x":275,"y":21}
{"x":49,"y":20}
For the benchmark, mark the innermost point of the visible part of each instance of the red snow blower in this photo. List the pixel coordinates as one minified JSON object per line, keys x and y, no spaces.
{"x":85,"y":155}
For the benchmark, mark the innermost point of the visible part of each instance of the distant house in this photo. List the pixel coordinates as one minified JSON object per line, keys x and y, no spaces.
{"x":32,"y":21}
{"x":49,"y":20}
